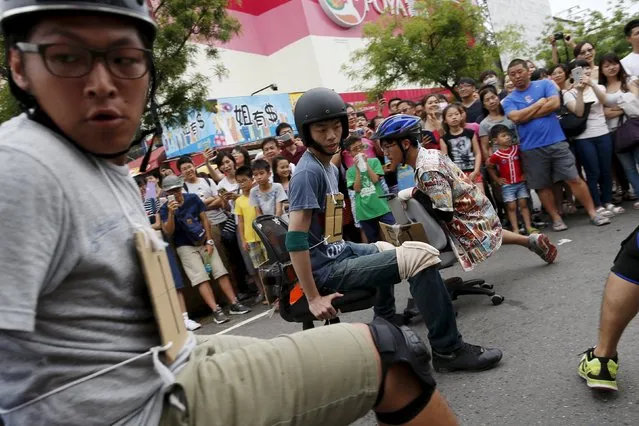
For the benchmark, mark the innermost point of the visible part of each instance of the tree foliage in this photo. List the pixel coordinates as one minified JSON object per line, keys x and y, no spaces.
{"x":442,"y":42}
{"x":604,"y":30}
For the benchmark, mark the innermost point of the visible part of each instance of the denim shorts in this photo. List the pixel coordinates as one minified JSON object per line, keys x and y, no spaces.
{"x":515,"y":191}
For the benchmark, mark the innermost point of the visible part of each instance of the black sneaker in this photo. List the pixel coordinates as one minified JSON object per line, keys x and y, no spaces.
{"x":468,"y":357}
{"x":238,"y":309}
{"x":219,"y":317}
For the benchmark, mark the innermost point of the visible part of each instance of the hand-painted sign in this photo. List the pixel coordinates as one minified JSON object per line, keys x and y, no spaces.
{"x":230,"y":121}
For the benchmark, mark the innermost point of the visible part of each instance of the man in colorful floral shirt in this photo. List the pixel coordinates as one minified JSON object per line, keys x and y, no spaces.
{"x":473,"y":225}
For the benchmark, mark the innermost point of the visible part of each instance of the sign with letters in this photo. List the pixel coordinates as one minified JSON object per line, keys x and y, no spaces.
{"x":351,"y":13}
{"x":229,"y":122}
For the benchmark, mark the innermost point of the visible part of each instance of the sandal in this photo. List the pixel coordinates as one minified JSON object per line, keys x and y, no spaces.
{"x":559,"y":226}
{"x":600,"y":220}
{"x":614,"y":209}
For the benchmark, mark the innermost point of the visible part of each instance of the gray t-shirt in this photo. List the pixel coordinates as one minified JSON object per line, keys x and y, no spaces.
{"x":488,"y":123}
{"x":267,"y":201}
{"x":307,"y":190}
{"x":73,"y":299}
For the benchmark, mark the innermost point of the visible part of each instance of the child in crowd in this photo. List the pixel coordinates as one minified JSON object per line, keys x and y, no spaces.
{"x":364,"y":178}
{"x":462,"y":145}
{"x":281,"y":172}
{"x":507,"y":162}
{"x":251,"y":243}
{"x":267,"y":197}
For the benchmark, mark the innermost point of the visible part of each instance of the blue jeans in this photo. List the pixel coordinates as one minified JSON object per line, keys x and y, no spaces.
{"x":595,"y":155}
{"x":371,"y":226}
{"x":630,"y":161}
{"x":369,"y":268}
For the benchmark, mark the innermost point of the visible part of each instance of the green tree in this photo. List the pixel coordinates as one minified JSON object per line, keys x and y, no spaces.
{"x":181,"y":23}
{"x":442,"y":42}
{"x":604,"y":30}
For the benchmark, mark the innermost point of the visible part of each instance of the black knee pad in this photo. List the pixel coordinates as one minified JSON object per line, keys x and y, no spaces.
{"x":402,"y":345}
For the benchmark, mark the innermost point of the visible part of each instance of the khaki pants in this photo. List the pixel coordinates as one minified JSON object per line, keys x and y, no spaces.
{"x":324,"y":376}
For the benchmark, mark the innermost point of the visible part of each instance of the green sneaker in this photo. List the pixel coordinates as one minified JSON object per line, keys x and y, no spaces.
{"x":599,"y":373}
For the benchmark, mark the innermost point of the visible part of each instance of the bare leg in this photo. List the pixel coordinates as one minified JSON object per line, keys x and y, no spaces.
{"x":548,"y":201}
{"x":181,"y":301}
{"x":512,"y":216}
{"x":620,"y":305}
{"x":401,"y":388}
{"x":207,"y":294}
{"x":558,"y":193}
{"x":511,"y":238}
{"x":227,"y":288}
{"x":525,"y":213}
{"x":581,"y":192}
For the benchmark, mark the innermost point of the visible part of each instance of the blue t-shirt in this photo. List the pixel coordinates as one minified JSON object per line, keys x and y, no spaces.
{"x":307,"y":190}
{"x":538,"y":132}
{"x":189,"y":210}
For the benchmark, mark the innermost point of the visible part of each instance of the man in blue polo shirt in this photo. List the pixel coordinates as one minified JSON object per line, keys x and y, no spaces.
{"x":546,"y":155}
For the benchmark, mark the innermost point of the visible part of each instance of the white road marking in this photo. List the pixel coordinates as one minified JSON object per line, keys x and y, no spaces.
{"x":240,"y":324}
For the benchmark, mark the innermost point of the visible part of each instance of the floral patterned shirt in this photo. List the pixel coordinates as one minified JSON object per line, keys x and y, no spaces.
{"x":475,"y":231}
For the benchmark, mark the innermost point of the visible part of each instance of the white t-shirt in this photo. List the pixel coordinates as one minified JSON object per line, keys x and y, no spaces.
{"x":630,"y":105}
{"x":229,"y":187}
{"x":631,"y":63}
{"x":206,"y":188}
{"x":596,"y":125}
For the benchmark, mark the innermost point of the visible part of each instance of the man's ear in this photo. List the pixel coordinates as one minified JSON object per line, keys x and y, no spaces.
{"x":406,"y":144}
{"x":16,"y":66}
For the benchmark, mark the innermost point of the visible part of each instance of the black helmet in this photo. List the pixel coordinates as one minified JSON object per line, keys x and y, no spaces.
{"x":135,"y":9}
{"x":319,"y":104}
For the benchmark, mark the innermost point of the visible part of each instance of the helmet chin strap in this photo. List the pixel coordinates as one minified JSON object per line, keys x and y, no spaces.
{"x":321,"y":149}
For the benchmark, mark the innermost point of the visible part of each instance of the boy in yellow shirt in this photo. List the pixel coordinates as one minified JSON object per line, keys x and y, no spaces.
{"x":246,"y":213}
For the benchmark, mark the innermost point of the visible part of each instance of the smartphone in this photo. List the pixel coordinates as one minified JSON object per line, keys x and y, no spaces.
{"x":577,"y":73}
{"x":428,"y":134}
{"x":285,"y":137}
{"x":221,"y":191}
{"x":170,"y":198}
{"x":360,"y":132}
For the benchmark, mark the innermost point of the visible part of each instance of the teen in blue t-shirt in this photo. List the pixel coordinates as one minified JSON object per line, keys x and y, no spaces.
{"x":541,"y":131}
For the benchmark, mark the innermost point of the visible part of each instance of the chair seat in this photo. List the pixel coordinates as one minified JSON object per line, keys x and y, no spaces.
{"x":351,"y":301}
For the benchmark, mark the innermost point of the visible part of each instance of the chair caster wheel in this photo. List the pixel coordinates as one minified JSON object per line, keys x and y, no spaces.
{"x":487,"y":286}
{"x":497,"y":299}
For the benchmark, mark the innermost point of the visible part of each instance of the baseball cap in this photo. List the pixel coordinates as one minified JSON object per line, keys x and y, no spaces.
{"x":172,"y":182}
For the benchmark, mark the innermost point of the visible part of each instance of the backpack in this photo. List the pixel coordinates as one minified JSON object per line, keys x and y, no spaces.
{"x":191,"y":227}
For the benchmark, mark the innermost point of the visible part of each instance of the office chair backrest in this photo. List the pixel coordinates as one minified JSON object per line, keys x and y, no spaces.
{"x":418,"y":213}
{"x":272,"y":231}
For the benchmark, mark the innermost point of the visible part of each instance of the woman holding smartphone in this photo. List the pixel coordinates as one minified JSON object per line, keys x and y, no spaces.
{"x":594,"y":146}
{"x":614,"y":78}
{"x":432,"y":123}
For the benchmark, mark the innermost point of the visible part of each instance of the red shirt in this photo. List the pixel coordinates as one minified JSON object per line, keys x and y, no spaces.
{"x":508,"y":163}
{"x":293,"y":158}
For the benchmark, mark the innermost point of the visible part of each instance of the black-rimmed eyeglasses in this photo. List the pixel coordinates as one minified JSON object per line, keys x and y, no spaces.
{"x":73,"y":61}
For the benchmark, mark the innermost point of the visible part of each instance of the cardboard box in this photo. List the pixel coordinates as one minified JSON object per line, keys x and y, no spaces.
{"x":398,"y":234}
{"x":159,"y":282}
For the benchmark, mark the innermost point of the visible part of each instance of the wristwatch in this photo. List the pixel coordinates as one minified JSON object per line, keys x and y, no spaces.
{"x":210,"y":242}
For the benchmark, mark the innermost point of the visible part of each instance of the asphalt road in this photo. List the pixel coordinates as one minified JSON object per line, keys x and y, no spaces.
{"x":549,"y":317}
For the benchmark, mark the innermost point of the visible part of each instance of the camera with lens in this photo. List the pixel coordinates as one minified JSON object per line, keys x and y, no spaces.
{"x":559,"y":36}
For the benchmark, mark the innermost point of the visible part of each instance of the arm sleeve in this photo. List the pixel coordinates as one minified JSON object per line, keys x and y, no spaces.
{"x":238,"y":209}
{"x":164,"y":213}
{"x":253,"y":199}
{"x":569,"y":97}
{"x":483,"y":128}
{"x":508,"y":105}
{"x":34,"y":229}
{"x":550,"y":89}
{"x":491,"y":159}
{"x":304,"y":191}
{"x":439,"y":190}
{"x":376,"y":165}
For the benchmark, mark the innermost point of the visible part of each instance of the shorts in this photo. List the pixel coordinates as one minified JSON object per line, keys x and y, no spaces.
{"x":549,"y":164}
{"x":625,"y":265}
{"x":514,"y":191}
{"x":478,"y":178}
{"x":257,"y":253}
{"x":193,"y":259}
{"x":297,"y":379}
